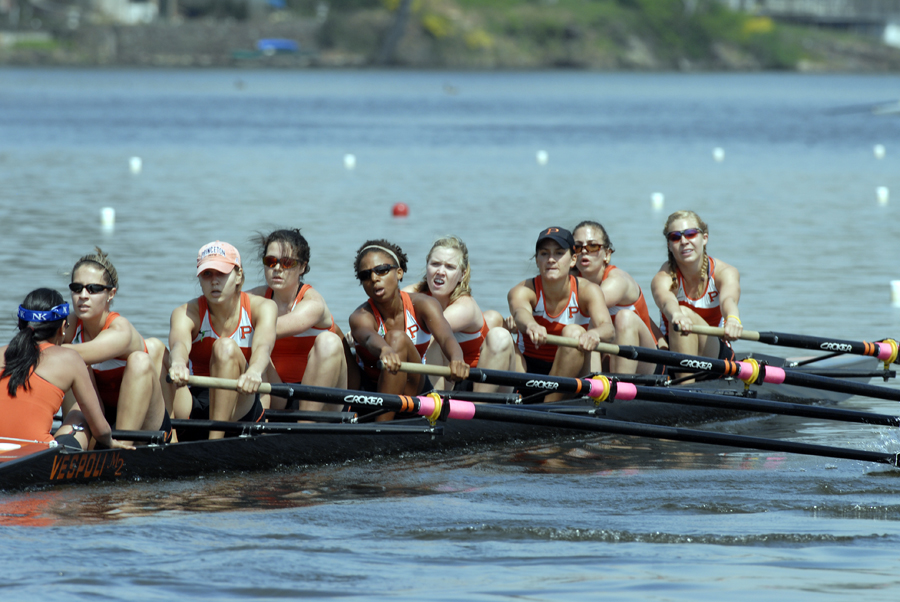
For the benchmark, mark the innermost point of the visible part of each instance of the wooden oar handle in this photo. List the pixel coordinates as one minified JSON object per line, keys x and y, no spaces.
{"x":416,"y":368}
{"x":222,"y":383}
{"x":747,"y":335}
{"x":570,"y":342}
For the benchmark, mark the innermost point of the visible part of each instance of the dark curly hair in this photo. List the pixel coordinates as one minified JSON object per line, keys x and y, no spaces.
{"x":381,"y":246}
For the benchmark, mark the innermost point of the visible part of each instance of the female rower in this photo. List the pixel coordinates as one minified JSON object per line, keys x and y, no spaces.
{"x":395,"y":326}
{"x":693,"y":288}
{"x":447,"y":277}
{"x":126,"y":379}
{"x":310,"y":347}
{"x":224,"y":333}
{"x":624,"y":298}
{"x":36,"y":375}
{"x":557,"y":303}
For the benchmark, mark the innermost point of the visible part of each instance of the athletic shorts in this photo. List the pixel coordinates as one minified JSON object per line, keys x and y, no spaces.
{"x":536,"y":366}
{"x":69,"y":440}
{"x":166,"y":425}
{"x":200,"y":408}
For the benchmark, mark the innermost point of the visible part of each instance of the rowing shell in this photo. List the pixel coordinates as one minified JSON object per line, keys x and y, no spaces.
{"x":36,"y":465}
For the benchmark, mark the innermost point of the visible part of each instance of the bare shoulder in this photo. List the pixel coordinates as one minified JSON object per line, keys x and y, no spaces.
{"x":122,"y":323}
{"x":585,"y":286}
{"x":258,"y":303}
{"x":664,"y":269}
{"x":619,"y":275}
{"x":362,"y":317}
{"x":722,"y":268}
{"x":56,"y":357}
{"x":525,"y":287}
{"x":422,"y":300}
{"x":313,"y":295}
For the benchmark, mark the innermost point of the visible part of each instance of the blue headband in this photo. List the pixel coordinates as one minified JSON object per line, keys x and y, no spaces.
{"x":52,"y":315}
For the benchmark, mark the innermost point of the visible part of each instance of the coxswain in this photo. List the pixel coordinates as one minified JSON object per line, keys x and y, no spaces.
{"x":36,"y":375}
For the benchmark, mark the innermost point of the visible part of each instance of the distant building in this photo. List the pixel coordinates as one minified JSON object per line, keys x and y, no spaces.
{"x":875,"y":17}
{"x":126,"y":12}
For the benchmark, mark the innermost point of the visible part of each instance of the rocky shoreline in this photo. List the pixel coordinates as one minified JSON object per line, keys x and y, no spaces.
{"x":354,"y":40}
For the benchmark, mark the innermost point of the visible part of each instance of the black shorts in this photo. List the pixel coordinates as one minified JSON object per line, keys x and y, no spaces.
{"x":200,"y":411}
{"x":68,"y":440}
{"x":200,"y":408}
{"x":536,"y":366}
{"x":166,"y":425}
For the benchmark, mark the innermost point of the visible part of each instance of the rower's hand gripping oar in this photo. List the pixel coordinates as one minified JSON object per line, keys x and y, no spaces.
{"x":749,"y":370}
{"x":886,"y":350}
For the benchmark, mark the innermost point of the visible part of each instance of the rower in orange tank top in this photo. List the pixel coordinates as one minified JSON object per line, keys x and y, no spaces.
{"x":448,"y":279}
{"x":554,"y":302}
{"x":624,"y":297}
{"x":394,"y":326}
{"x":310,"y":348}
{"x":233,"y":333}
{"x":127,"y":377}
{"x":692,"y":288}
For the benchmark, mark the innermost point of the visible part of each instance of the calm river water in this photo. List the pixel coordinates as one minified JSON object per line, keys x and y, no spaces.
{"x":227,"y":153}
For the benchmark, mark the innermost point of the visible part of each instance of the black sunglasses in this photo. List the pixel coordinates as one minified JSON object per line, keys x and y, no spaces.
{"x":92,"y":289}
{"x":380,"y":270}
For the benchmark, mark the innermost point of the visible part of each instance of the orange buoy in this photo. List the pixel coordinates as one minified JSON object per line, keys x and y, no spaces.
{"x":400,"y":210}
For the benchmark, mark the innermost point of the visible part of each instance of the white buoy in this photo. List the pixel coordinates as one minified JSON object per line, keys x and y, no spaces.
{"x":883,"y":195}
{"x":878,"y":150}
{"x":659,"y":201}
{"x":108,"y":218}
{"x":895,"y":293}
{"x":136,"y":165}
{"x":719,"y":154}
{"x":349,"y":161}
{"x":542,"y":157}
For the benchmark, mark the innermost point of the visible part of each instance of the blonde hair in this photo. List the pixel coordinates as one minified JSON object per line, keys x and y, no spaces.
{"x":101,"y":259}
{"x":463,"y":287}
{"x":673,"y":266}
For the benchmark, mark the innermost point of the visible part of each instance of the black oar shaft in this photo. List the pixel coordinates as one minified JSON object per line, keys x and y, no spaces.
{"x":767,"y":374}
{"x":509,"y":379}
{"x":466,"y":410}
{"x":677,"y":396}
{"x":882,"y":351}
{"x":710,"y":400}
{"x":156,"y":437}
{"x":510,"y":414}
{"x":772,"y":374}
{"x":254,"y":428}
